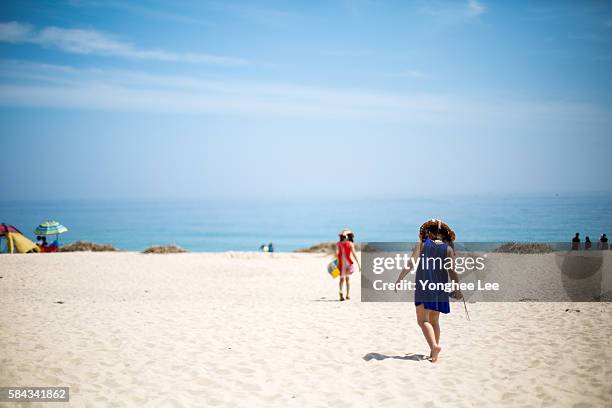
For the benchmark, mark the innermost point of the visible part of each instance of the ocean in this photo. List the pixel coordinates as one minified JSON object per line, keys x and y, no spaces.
{"x":245,"y":224}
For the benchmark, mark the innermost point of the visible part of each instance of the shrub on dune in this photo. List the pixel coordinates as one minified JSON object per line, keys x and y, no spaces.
{"x":82,"y":246}
{"x":524,"y":248}
{"x":325,"y":247}
{"x":164,"y":249}
{"x":322,"y":247}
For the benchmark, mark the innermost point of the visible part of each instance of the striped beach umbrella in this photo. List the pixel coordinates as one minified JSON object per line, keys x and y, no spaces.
{"x":50,"y":228}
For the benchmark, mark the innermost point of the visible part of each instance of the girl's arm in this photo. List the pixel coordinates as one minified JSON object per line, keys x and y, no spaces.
{"x":452,"y":274}
{"x":355,"y":255}
{"x":415,"y":255}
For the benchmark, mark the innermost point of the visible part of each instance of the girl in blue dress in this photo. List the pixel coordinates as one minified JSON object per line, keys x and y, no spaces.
{"x":434,"y":249}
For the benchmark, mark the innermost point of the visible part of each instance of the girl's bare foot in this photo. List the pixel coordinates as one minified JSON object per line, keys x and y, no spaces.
{"x":341,"y":297}
{"x":348,"y":297}
{"x":435,"y":352}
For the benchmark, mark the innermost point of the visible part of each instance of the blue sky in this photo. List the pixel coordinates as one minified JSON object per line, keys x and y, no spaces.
{"x":198,"y":99}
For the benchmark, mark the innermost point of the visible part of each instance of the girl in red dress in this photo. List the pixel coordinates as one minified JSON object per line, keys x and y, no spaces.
{"x":345,"y":254}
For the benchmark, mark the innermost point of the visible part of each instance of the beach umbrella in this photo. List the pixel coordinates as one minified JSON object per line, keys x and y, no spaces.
{"x":50,"y":228}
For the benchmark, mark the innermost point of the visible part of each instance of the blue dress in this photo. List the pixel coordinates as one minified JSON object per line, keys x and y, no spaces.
{"x":432,"y":271}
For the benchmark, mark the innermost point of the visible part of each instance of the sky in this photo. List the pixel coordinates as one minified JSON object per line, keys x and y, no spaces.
{"x":151,"y":99}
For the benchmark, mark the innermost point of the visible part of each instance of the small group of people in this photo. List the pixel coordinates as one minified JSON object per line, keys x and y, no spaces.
{"x":436,"y":240}
{"x":41,"y":242}
{"x":266,"y":248}
{"x":602,"y":244}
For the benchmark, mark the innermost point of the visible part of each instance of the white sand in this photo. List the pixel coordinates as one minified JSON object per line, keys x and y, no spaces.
{"x":265,"y":330}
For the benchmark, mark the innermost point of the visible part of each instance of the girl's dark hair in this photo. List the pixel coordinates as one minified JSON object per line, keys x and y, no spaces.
{"x":450,"y":243}
{"x":342,"y":237}
{"x":435,"y":232}
{"x":432,"y":230}
{"x":350,"y":237}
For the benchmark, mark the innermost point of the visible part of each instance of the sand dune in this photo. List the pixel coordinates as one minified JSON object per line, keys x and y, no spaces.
{"x":249,"y":329}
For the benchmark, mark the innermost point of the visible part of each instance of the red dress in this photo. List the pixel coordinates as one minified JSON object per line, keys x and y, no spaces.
{"x":345,"y":264}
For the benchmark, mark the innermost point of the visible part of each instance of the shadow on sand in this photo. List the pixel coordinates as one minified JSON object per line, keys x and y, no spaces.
{"x":411,"y":357}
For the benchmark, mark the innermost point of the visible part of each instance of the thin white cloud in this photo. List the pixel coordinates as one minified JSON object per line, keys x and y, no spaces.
{"x":14,"y":32}
{"x":93,"y":42}
{"x":28,"y":84}
{"x":475,"y":8}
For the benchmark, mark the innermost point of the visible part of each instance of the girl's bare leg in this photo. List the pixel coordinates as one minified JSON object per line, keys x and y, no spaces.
{"x":428,"y":332}
{"x":341,"y":283}
{"x":434,"y":319}
{"x":348,"y":288}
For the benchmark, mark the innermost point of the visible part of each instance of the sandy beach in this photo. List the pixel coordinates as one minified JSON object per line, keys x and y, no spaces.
{"x":252,"y":329}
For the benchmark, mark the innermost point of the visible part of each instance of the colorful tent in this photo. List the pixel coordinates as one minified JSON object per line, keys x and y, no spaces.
{"x":18,"y":243}
{"x":4,"y":228}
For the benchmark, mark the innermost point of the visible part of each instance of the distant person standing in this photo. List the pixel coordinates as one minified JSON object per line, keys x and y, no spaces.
{"x":345,"y":253}
{"x":603,"y":242}
{"x":587,"y":243}
{"x":576,"y":242}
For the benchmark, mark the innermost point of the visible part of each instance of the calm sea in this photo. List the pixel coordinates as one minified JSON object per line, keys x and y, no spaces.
{"x":243,"y":225}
